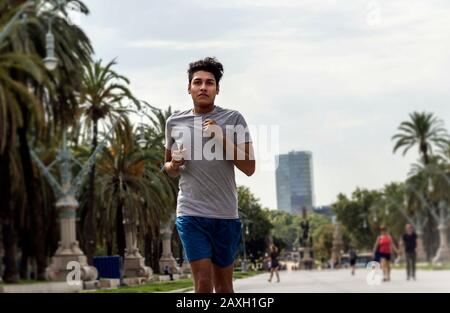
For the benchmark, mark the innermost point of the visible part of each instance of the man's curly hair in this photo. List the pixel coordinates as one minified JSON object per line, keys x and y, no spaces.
{"x":211,"y":65}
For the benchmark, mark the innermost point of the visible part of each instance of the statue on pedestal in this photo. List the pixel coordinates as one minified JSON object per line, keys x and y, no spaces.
{"x":306,"y":254}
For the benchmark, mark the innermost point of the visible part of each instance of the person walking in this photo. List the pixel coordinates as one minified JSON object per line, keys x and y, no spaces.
{"x":274,"y":264}
{"x":352,"y":256}
{"x":409,"y":241}
{"x":384,"y":245}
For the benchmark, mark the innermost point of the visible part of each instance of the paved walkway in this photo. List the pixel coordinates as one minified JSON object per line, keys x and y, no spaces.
{"x":343,"y":282}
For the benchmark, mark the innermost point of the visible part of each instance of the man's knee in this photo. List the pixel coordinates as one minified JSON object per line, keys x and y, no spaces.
{"x":224,"y":288}
{"x":204,"y":283}
{"x":204,"y":280}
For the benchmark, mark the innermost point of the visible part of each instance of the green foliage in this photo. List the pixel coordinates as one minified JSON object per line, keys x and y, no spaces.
{"x":354,"y":213}
{"x":257,"y":221}
{"x":286,"y":227}
{"x":286,"y":230}
{"x":423,"y":130}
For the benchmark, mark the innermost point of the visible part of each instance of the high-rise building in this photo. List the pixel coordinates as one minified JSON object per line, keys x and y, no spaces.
{"x":295,"y":182}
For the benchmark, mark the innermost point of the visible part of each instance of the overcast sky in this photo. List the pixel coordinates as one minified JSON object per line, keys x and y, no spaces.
{"x":337,"y":77}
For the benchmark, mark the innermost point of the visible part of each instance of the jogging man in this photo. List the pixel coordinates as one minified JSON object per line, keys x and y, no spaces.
{"x":203,"y":145}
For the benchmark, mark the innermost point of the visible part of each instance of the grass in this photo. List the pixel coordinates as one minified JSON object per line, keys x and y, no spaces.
{"x":167,"y":285}
{"x":152,"y":287}
{"x":239,"y":275}
{"x":425,"y":266}
{"x":26,"y":282}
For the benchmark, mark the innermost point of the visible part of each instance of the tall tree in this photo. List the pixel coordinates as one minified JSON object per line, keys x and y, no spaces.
{"x":132,"y":187}
{"x":104,"y":93}
{"x":257,"y":221}
{"x":356,"y":216}
{"x":57,"y":97}
{"x":426,"y":132}
{"x":423,"y":130}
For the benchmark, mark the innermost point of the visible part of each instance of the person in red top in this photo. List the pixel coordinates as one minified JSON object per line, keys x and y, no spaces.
{"x":385,"y":246}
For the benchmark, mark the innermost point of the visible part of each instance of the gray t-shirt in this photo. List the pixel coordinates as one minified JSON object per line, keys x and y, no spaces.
{"x":207,"y":180}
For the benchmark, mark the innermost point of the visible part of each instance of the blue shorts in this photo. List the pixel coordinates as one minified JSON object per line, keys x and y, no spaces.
{"x":210,"y":238}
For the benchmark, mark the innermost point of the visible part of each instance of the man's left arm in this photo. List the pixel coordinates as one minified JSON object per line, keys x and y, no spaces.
{"x":242,"y":155}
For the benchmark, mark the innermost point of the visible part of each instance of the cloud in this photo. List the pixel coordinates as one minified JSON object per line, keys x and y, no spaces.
{"x":184,"y":45}
{"x":334,"y":82}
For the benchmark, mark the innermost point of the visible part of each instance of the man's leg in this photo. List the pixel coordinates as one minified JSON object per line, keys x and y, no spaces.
{"x":223,"y":279}
{"x":413,"y":265}
{"x":408,"y":265}
{"x":271,"y":275}
{"x":202,"y":271}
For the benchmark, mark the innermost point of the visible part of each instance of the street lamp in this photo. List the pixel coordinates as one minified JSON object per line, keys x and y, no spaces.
{"x":364,"y":223}
{"x":50,"y":61}
{"x":375,"y":218}
{"x":244,"y":234}
{"x":430,"y":185}
{"x":66,"y":191}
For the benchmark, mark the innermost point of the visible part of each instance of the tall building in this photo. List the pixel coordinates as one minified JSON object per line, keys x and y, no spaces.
{"x":295,"y":182}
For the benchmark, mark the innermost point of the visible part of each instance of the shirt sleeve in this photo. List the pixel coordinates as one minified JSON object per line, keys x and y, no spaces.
{"x":242,"y":133}
{"x":169,"y":139}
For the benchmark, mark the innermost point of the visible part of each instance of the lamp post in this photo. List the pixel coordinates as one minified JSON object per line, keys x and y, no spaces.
{"x":245,"y":233}
{"x":244,"y":262}
{"x":66,"y":192}
{"x":50,"y":61}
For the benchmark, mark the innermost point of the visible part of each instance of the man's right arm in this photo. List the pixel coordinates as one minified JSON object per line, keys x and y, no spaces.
{"x":172,"y":167}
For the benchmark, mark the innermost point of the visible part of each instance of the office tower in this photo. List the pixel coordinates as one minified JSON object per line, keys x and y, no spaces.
{"x":295,"y":182}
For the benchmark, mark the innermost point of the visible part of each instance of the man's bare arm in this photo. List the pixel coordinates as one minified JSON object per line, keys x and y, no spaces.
{"x":243,"y":156}
{"x":171,"y":166}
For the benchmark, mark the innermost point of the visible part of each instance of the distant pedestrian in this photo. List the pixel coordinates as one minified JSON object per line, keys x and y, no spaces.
{"x":352,"y":256}
{"x":409,"y":240}
{"x":274,"y":264}
{"x":384,"y":245}
{"x":168,"y":271}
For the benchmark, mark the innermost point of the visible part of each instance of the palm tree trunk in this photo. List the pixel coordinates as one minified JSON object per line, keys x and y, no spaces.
{"x":109,"y":246}
{"x":8,"y":228}
{"x":148,"y":249}
{"x":156,"y":255}
{"x":429,"y":226}
{"x":89,"y":229}
{"x":25,"y":247}
{"x":120,"y":231}
{"x":34,"y":207}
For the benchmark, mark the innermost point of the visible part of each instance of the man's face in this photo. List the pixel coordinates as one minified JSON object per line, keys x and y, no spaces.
{"x":409,"y":229}
{"x":203,"y":88}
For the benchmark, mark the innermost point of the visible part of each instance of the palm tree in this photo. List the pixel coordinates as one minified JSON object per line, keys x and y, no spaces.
{"x":104,"y":92}
{"x":132,"y":187}
{"x":423,"y":129}
{"x":426,"y":189}
{"x":153,"y":139}
{"x":57,"y":95}
{"x":13,"y":92}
